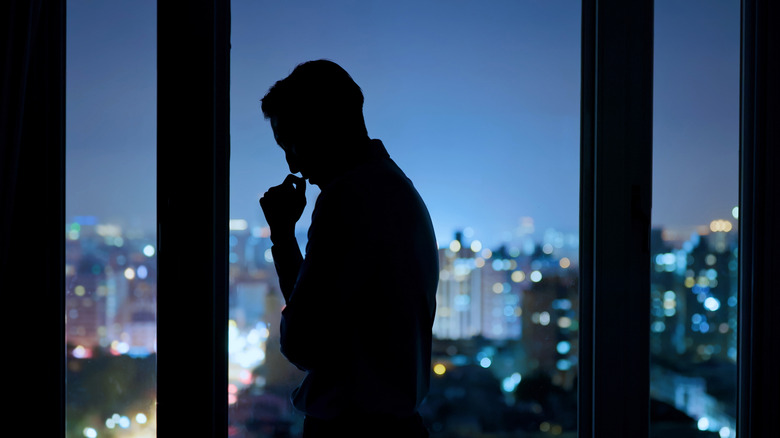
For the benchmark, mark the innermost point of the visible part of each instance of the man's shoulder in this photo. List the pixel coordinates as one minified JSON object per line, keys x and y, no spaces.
{"x":368,"y":180}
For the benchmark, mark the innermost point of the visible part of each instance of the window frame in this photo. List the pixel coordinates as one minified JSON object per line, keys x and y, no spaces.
{"x":202,"y":52}
{"x":759,"y":212}
{"x":616,"y":124}
{"x":193,"y":176}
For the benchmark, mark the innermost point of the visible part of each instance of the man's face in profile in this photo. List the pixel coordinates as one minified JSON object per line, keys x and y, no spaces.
{"x":294,"y":150}
{"x":310,"y":146}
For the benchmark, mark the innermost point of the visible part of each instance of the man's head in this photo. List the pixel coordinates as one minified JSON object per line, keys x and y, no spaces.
{"x":317,"y":117}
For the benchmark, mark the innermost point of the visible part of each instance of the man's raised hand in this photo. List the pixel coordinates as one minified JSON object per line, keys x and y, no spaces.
{"x":283,"y":205}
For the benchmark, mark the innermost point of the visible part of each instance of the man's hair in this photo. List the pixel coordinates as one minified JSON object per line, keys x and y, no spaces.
{"x":317,"y":92}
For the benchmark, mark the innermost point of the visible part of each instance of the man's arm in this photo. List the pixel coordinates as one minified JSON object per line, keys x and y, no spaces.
{"x":313,"y":311}
{"x":288,"y":261}
{"x":283,"y":206}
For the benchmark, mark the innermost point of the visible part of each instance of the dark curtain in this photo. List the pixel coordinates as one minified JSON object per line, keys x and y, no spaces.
{"x":32,"y":128}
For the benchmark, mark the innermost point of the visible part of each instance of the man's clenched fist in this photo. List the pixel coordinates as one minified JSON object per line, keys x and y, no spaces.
{"x":283,"y":206}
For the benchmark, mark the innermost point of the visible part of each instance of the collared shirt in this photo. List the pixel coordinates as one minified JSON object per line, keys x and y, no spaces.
{"x":360,"y":306}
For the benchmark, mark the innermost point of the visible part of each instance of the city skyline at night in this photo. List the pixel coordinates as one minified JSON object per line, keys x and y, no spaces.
{"x":508,"y":312}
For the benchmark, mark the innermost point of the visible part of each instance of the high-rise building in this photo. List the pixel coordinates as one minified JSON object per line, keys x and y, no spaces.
{"x":476,"y":294}
{"x":694,"y":295}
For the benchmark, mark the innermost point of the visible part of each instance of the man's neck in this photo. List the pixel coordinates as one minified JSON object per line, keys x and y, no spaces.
{"x":356,"y":153}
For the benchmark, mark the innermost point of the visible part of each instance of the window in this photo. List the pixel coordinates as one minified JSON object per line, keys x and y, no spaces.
{"x":479,"y":106}
{"x":110,"y":236}
{"x":34,"y":164}
{"x":694,"y":244}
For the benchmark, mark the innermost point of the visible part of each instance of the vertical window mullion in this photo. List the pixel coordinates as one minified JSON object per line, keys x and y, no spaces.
{"x":192,"y":216}
{"x":616,"y":169}
{"x":759,"y":211}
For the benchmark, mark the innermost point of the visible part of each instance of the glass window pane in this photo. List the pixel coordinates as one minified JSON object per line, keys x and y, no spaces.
{"x":110,"y":213}
{"x":479,"y":105}
{"x":694,"y":326}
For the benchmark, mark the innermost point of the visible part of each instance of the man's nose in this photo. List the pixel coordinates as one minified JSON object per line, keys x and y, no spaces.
{"x":292,"y":163}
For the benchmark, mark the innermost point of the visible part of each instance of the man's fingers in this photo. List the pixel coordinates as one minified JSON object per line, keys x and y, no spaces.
{"x":293,"y":179}
{"x":292,"y":190}
{"x":297,"y":182}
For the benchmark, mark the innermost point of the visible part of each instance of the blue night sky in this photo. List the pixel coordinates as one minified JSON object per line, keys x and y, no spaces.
{"x":478,"y":102}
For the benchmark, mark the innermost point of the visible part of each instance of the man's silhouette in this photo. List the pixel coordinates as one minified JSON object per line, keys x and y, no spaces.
{"x":360,"y":306}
